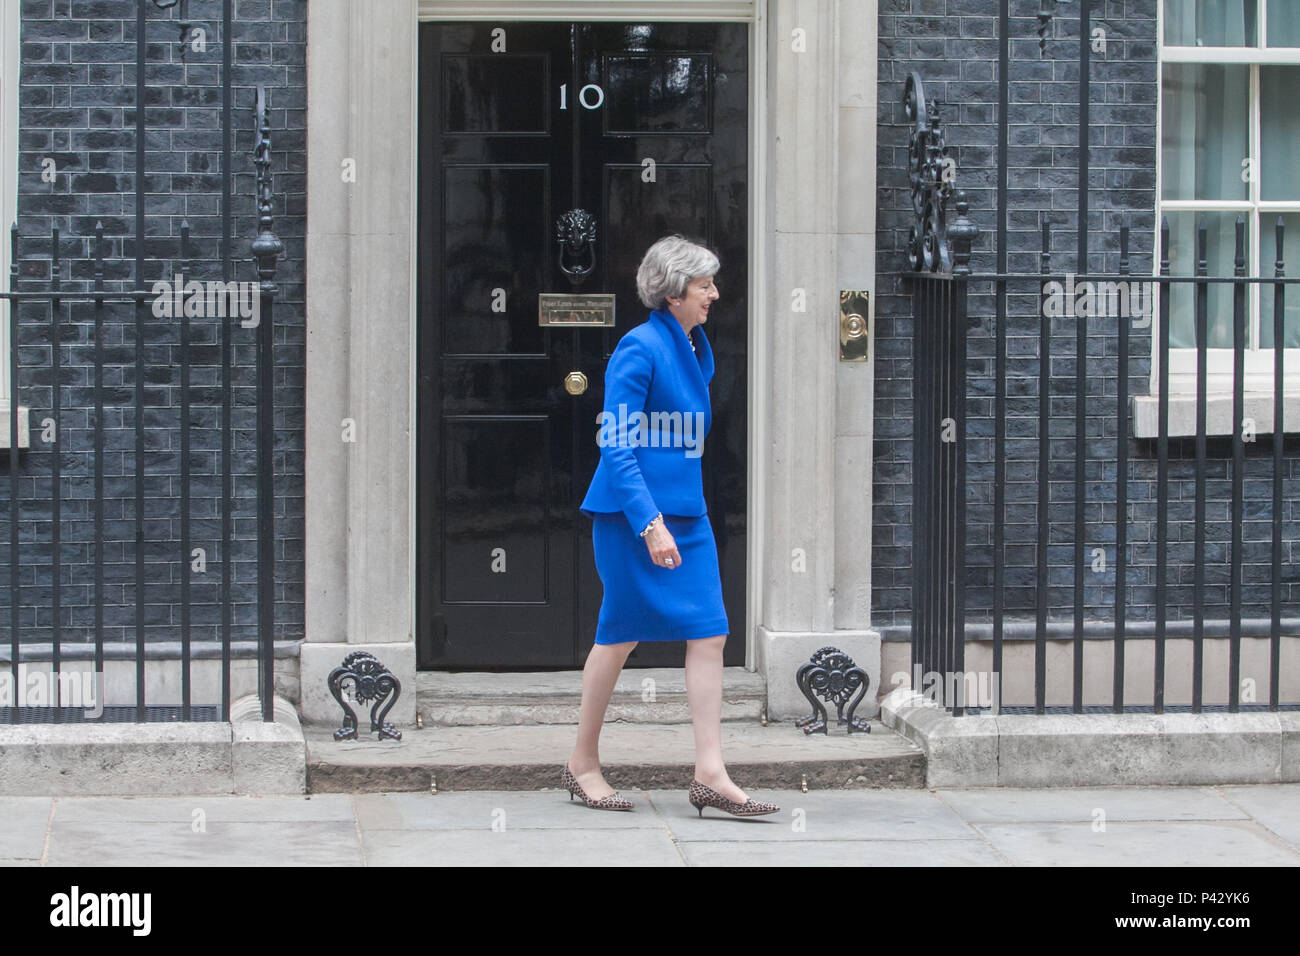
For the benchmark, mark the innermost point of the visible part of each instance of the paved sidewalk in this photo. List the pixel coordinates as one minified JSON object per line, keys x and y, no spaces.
{"x":1158,"y":826}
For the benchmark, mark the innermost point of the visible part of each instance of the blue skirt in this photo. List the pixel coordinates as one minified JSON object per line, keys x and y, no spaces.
{"x":644,"y":602}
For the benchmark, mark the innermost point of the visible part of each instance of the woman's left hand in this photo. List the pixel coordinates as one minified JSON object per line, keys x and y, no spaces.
{"x":663,"y":548}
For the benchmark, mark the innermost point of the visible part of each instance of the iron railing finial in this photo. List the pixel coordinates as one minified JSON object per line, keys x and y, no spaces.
{"x":932,"y":175}
{"x":266,"y":247}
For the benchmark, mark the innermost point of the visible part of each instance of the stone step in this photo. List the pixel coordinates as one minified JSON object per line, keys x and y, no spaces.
{"x":634,"y":756}
{"x":653,"y":695}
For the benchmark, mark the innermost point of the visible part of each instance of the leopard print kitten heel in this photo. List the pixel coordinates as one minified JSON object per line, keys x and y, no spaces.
{"x":702,"y":796}
{"x":613,"y":801}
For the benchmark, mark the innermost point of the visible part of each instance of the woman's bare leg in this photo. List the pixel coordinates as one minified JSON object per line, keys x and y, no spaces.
{"x":599,"y":675}
{"x":704,"y":694}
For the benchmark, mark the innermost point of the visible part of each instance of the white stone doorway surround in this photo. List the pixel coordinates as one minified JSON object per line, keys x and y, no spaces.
{"x":812,"y":222}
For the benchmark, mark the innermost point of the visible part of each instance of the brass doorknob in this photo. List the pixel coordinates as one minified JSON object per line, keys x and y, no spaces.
{"x":575,"y":383}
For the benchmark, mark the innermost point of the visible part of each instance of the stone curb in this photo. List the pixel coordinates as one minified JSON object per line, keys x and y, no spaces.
{"x":152,"y":759}
{"x":882,"y":772}
{"x":633,"y":756}
{"x":1087,"y":750}
{"x":266,"y":757}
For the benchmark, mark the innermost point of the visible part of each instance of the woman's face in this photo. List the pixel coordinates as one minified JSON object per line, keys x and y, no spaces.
{"x":693,"y":306}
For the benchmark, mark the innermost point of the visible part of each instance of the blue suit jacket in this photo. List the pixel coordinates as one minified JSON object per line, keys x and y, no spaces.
{"x":653,"y":465}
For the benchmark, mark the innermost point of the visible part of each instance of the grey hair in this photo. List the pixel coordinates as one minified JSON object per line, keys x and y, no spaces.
{"x":668,"y":266}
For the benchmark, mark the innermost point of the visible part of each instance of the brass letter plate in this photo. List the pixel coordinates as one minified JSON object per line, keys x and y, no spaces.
{"x":593,"y":309}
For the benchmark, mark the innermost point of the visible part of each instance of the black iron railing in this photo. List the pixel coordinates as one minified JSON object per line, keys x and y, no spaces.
{"x":942,"y":557}
{"x":219,"y":313}
{"x":945,"y":307}
{"x":939,"y":257}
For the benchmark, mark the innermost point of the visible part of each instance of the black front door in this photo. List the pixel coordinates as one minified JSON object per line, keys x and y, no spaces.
{"x":645,"y":128}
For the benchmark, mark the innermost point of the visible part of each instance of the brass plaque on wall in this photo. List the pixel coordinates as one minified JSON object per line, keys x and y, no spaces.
{"x":590,"y":309}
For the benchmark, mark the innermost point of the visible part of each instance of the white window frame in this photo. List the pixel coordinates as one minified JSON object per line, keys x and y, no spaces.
{"x":1219,"y":361}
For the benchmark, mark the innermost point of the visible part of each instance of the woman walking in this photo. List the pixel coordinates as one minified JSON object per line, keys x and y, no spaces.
{"x":653,"y":543}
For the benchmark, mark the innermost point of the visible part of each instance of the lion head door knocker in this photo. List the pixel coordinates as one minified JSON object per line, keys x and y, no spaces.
{"x":575,"y":232}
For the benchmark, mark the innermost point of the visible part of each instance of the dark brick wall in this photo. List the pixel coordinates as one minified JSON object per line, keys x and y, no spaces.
{"x":954,"y":45}
{"x":77,"y":108}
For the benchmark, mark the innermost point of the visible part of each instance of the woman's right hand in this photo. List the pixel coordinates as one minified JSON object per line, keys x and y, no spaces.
{"x":662,"y":547}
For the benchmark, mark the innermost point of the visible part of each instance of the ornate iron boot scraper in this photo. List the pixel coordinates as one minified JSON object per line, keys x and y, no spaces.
{"x":834,"y":676}
{"x":371,"y":681}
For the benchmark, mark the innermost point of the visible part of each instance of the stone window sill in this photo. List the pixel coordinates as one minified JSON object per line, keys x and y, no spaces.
{"x":23,"y":438}
{"x":1218,"y":414}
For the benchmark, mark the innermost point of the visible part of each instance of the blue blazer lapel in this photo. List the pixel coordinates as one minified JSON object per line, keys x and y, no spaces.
{"x":698,"y":361}
{"x":705,"y":355}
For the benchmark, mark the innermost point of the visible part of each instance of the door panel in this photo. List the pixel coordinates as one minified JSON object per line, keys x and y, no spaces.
{"x":493,"y":226}
{"x":657,"y":93}
{"x":495,"y":504}
{"x":496,"y":93}
{"x":645,"y":127}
